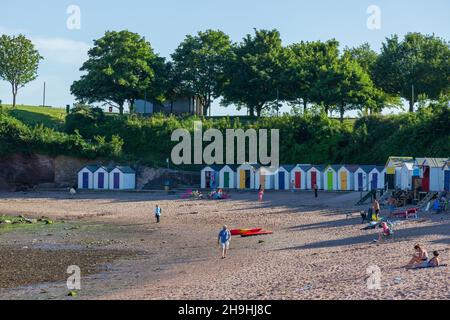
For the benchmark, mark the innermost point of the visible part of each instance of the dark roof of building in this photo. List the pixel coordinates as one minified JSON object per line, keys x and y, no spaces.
{"x":288,"y":167}
{"x":304,"y":167}
{"x":351,"y":167}
{"x":335,"y":167}
{"x":125,"y":169}
{"x":91,"y":168}
{"x":367,"y":167}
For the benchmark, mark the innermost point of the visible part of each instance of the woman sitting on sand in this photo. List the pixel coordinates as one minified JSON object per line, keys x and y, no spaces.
{"x":419,"y":258}
{"x":435,"y":261}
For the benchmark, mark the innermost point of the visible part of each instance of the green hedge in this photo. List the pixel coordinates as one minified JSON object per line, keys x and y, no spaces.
{"x":305,"y":139}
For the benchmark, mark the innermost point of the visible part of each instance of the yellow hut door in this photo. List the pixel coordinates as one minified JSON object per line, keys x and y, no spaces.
{"x":242,"y":179}
{"x":344,"y":185}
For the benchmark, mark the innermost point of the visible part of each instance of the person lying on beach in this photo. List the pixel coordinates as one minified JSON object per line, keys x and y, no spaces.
{"x":419,"y":258}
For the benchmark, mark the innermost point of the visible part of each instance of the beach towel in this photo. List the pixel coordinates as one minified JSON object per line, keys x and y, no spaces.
{"x":429,"y":267}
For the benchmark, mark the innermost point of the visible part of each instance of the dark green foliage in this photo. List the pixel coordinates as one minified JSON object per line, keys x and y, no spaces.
{"x":17,"y":137}
{"x":303,"y":139}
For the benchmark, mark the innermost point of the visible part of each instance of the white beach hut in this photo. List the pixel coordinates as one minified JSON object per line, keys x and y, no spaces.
{"x":432,"y":174}
{"x":265,"y":177}
{"x":210,"y":177}
{"x":246,"y":176}
{"x":298,"y":175}
{"x":445,"y":178}
{"x":330,"y":177}
{"x":361,"y":177}
{"x":406,"y":175}
{"x":122,"y":178}
{"x":86,"y":177}
{"x":314,"y":176}
{"x":283,"y":177}
{"x":101,"y":178}
{"x":346,"y":181}
{"x":227,"y":177}
{"x":376,"y":178}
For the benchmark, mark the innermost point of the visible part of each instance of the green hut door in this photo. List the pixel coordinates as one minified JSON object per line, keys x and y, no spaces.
{"x":330,"y":180}
{"x":226,"y":180}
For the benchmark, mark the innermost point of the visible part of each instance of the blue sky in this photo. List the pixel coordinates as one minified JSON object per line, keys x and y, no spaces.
{"x":166,"y":23}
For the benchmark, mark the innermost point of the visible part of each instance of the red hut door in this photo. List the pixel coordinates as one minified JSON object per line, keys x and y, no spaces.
{"x":426,"y":179}
{"x":298,"y":180}
{"x":313,"y":179}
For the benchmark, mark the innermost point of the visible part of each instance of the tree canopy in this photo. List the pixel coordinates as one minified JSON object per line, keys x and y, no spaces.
{"x":19,"y":62}
{"x":420,"y":64}
{"x":121,"y":67}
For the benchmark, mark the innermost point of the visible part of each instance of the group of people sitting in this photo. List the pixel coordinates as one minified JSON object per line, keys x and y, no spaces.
{"x":420,"y":259}
{"x":441,"y":204}
{"x":218,"y":194}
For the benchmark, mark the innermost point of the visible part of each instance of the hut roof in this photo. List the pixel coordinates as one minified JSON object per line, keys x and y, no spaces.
{"x":91,"y":168}
{"x":125,"y":169}
{"x":351,"y":167}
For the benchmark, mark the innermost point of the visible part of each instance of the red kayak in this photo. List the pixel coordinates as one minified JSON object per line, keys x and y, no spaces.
{"x":256,"y":233}
{"x":240,"y":232}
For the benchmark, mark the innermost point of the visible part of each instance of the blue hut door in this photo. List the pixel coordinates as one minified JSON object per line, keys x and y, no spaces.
{"x":281,"y":181}
{"x":101,"y":180}
{"x":85,"y":180}
{"x":360,"y":182}
{"x":375,"y":181}
{"x":447,"y":180}
{"x":116,"y":180}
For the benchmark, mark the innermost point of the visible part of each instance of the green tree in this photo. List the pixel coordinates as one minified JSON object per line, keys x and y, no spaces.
{"x":121,"y":67}
{"x":252,"y":76}
{"x":350,"y":86}
{"x":198,"y":63}
{"x":367,"y":59}
{"x":419,"y":64}
{"x":308,"y":64}
{"x":19,"y":62}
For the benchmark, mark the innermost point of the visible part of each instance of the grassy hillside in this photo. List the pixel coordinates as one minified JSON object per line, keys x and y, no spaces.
{"x":32,"y":115}
{"x":303,"y":139}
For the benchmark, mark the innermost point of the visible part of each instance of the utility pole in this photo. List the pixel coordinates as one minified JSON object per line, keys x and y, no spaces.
{"x":278,"y":102}
{"x":43,"y":97}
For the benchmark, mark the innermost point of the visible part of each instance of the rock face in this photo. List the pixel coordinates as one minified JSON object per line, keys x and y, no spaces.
{"x":20,"y":172}
{"x":23,"y":171}
{"x":151,"y":178}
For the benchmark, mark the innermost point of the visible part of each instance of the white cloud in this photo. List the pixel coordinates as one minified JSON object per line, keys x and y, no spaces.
{"x":62,"y":50}
{"x":53,"y":49}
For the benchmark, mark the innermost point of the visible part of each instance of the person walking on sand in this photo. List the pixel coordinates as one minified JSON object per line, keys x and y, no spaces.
{"x":316,"y":191}
{"x":158,"y":212}
{"x":260,"y":193}
{"x":224,"y":240}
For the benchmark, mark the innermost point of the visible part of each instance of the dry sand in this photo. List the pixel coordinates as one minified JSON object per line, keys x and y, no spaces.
{"x":316,"y":251}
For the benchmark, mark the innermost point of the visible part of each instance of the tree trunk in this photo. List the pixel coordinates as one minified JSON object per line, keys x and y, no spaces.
{"x":251,"y":111}
{"x":14,"y":93}
{"x":121,"y":108}
{"x":326,"y":108}
{"x":342,"y":111}
{"x":411,"y":106}
{"x":305,"y":105}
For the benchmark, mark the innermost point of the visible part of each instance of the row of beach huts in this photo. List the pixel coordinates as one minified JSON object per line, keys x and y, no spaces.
{"x":405,"y":173}
{"x":97,"y":177}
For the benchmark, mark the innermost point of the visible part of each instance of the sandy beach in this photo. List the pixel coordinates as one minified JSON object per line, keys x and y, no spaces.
{"x":317,"y":251}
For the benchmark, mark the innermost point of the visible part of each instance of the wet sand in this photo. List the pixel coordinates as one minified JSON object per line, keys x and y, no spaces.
{"x":317,"y":251}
